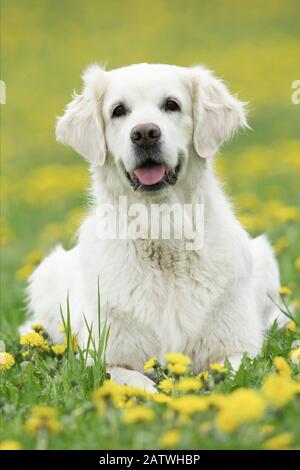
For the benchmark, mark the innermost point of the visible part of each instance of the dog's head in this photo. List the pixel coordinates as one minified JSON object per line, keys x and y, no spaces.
{"x":149,"y":119}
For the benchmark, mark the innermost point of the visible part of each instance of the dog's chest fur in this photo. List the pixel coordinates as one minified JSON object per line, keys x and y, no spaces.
{"x":169,"y":295}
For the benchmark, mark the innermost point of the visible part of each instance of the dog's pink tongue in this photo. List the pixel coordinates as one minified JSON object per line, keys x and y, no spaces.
{"x":150,"y":175}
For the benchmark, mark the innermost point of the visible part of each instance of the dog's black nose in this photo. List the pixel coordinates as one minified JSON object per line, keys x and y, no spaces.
{"x":145,"y":135}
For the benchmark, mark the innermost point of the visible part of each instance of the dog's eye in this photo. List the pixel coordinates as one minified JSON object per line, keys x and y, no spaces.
{"x":171,"y":105}
{"x":119,"y":111}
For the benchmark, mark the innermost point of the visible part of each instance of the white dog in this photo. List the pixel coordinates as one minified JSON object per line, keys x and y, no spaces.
{"x":149,"y":132}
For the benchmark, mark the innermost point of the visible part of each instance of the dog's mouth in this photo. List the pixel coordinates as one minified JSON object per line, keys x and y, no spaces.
{"x":152,"y":176}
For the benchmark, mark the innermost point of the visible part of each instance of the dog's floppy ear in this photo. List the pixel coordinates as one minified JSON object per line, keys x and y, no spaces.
{"x":81,"y":126}
{"x":217,"y":114}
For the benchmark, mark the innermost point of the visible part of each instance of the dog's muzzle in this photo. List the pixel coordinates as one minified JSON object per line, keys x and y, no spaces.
{"x":151,"y":173}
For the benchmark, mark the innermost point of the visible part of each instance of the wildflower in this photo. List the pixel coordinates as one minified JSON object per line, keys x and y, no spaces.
{"x":43,"y":417}
{"x":150,"y":364}
{"x":9,"y":444}
{"x":297,"y":263}
{"x":166,"y":385}
{"x":203,"y":375}
{"x":218,"y":368}
{"x":160,"y":398}
{"x":189,"y":404}
{"x":24,"y":272}
{"x":217,"y":400}
{"x":178,"y":358}
{"x":178,"y":369}
{"x":58,"y":349}
{"x":109,"y":389}
{"x":34,"y":340}
{"x":284,"y":291}
{"x":266,"y":429}
{"x":242,"y":406}
{"x":170,"y":438}
{"x":188,"y":384}
{"x":290,"y":326}
{"x":138,"y":414}
{"x":226,"y":422}
{"x":279,"y":389}
{"x":37,"y":327}
{"x":282,"y":366}
{"x":31,"y":261}
{"x":34,"y":257}
{"x":295,"y":355}
{"x":282,"y":441}
{"x":7,"y":360}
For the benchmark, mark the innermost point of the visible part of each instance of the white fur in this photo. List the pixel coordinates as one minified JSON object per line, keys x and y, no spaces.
{"x":209,"y":304}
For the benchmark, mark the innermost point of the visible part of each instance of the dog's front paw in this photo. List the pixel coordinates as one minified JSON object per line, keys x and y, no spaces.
{"x":124,"y":376}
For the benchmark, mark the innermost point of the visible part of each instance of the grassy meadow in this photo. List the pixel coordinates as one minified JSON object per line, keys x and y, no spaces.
{"x":49,"y":398}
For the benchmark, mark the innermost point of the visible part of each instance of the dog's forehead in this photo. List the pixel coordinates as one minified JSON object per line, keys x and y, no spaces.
{"x":146,"y":79}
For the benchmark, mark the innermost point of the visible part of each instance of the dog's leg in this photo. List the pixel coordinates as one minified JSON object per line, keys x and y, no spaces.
{"x":130,"y":377}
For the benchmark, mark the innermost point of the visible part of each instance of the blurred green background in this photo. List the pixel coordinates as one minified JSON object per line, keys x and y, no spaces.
{"x":45,"y":45}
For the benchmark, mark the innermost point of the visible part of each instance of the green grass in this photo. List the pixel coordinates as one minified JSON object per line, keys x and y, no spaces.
{"x":45,"y":45}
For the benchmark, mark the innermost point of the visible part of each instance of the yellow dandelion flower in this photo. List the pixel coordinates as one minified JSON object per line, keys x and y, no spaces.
{"x":189,"y":404}
{"x":282,"y":366}
{"x":282,"y":441}
{"x":203,"y":375}
{"x":34,"y":424}
{"x":34,"y":257}
{"x":34,"y":340}
{"x":37,"y":327}
{"x":178,"y":358}
{"x":58,"y":349}
{"x":170,"y":438}
{"x":24,"y":272}
{"x":188,"y":384}
{"x":279,"y":389}
{"x":150,"y":364}
{"x":9,"y":444}
{"x":43,"y":417}
{"x":295,"y":355}
{"x":108,"y":389}
{"x":44,"y":411}
{"x":266,"y":428}
{"x":160,"y":398}
{"x":217,"y":400}
{"x":218,"y":368}
{"x":131,"y":391}
{"x":242,"y":406}
{"x":138,"y":414}
{"x":101,"y":407}
{"x":290,"y":326}
{"x":297,"y":263}
{"x":178,"y":369}
{"x":166,"y":385}
{"x":226,"y":422}
{"x":284,"y":290}
{"x":287,"y":214}
{"x":7,"y":360}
